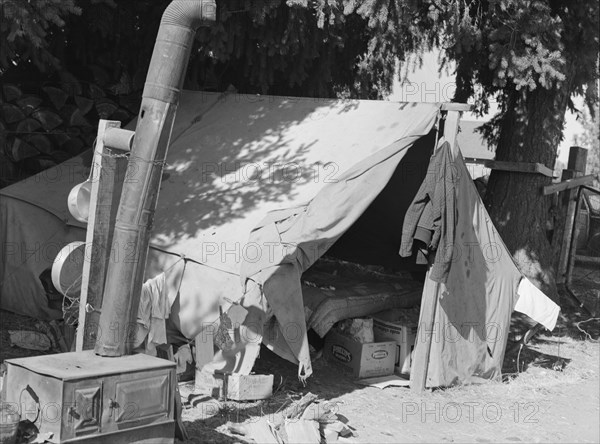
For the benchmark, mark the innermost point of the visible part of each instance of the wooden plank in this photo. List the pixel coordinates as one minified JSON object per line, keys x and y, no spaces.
{"x":249,"y":387}
{"x":574,"y":232}
{"x":476,"y":161}
{"x":85,"y":296}
{"x":451,"y":106}
{"x":563,"y":198}
{"x":568,"y":201}
{"x":569,"y":184}
{"x":587,"y":259}
{"x":520,"y":167}
{"x":572,"y":205}
{"x":451,"y":130}
{"x":420,"y":364}
{"x":180,"y":430}
{"x":205,"y":350}
{"x":204,"y":343}
{"x":107,"y":180}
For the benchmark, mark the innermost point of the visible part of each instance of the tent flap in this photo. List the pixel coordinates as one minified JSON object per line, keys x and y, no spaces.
{"x":472,"y":319}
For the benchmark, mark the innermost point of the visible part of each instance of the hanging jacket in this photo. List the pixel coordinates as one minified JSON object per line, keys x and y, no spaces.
{"x":430,"y":219}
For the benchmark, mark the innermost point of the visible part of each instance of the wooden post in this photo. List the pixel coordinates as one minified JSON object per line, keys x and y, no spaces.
{"x":204,"y":343}
{"x":568,"y":184}
{"x":451,"y":130}
{"x":108,"y":173}
{"x":98,"y":237}
{"x":573,"y":239}
{"x":420,"y":365}
{"x":576,"y":168}
{"x":577,"y":159}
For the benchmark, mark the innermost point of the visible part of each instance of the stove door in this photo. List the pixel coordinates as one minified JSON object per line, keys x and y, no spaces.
{"x":139,"y":398}
{"x":83,"y":408}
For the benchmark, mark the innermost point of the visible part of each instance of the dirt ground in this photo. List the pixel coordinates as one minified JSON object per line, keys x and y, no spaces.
{"x":553,"y":397}
{"x":549,"y":393}
{"x":540,"y":404}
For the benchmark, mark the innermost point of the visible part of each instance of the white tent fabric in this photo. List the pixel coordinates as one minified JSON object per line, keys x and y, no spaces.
{"x":232,"y":159}
{"x":255,"y":189}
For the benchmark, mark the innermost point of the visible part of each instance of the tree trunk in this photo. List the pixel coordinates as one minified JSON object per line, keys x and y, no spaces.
{"x":530,"y":131}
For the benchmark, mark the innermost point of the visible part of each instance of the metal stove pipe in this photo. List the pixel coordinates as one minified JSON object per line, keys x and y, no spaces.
{"x":140,"y":190}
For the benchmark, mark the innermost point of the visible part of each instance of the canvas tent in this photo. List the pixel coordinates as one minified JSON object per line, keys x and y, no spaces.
{"x":256,"y":189}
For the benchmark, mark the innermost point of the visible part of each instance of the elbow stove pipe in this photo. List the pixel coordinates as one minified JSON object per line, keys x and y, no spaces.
{"x":125,"y":273}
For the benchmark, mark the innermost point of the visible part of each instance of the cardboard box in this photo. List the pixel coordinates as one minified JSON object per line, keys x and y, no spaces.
{"x":249,"y":387}
{"x":235,"y":387}
{"x":366,"y":360}
{"x":403,"y":333}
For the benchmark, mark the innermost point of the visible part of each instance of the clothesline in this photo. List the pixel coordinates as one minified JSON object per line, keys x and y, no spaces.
{"x":188,"y":259}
